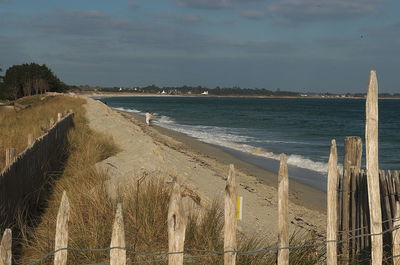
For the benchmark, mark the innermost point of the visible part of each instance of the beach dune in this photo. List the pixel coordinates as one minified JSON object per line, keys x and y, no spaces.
{"x":202,"y":168}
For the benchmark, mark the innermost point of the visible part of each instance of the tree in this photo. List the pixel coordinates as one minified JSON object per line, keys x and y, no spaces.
{"x":1,"y":85}
{"x":29,"y":79}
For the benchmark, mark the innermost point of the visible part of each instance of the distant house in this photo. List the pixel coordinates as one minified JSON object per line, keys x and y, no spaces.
{"x":205,"y":93}
{"x":163,"y":92}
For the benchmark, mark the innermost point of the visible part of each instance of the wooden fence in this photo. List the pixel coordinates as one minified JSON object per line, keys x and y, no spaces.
{"x":357,"y":202}
{"x":26,"y":174}
{"x":354,"y":229}
{"x":176,"y":223}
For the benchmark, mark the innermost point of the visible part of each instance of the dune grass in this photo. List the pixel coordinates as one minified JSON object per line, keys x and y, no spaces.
{"x":145,"y":208}
{"x":16,"y":125}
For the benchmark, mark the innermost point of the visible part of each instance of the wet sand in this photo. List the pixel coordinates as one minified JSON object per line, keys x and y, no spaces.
{"x":300,"y":193}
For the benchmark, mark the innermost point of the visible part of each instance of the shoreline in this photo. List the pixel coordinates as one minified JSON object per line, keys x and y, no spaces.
{"x":128,"y":94}
{"x":202,"y":168}
{"x":301,"y":194}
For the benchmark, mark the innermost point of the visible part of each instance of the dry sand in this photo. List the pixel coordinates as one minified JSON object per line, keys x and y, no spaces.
{"x":203,"y":168}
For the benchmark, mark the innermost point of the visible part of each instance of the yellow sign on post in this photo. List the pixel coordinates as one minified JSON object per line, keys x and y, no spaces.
{"x":239,"y":208}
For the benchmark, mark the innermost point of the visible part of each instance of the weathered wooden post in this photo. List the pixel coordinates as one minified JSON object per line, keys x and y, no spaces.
{"x":5,"y":248}
{"x":10,"y":156}
{"x":59,"y":117}
{"x":30,"y":139}
{"x":176,"y":226}
{"x":230,"y":218}
{"x":118,"y":255}
{"x":352,"y":161}
{"x":283,"y":223}
{"x":372,"y":162}
{"x":61,"y":240}
{"x":396,"y":236}
{"x":353,"y":173}
{"x":332,"y":204}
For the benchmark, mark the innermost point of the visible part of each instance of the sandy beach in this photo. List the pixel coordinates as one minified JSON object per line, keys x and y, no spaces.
{"x":203,"y":168}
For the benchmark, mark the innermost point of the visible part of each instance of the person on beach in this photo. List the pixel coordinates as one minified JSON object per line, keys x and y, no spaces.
{"x":149,"y":116}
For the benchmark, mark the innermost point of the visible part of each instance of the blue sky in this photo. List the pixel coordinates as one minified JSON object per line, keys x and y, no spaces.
{"x":298,"y":45}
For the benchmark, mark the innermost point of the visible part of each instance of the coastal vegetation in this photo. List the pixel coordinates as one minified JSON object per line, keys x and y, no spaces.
{"x":27,"y":80}
{"x":192,"y":90}
{"x":145,"y":205}
{"x":16,"y":124}
{"x":218,"y":91}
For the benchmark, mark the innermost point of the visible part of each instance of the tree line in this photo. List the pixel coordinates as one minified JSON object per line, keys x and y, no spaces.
{"x":197,"y":90}
{"x":27,"y":80}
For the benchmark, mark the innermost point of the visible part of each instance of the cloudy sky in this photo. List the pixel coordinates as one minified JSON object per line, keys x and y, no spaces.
{"x":298,"y":45}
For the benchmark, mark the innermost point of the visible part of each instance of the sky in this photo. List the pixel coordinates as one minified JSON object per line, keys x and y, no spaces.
{"x":296,"y":45}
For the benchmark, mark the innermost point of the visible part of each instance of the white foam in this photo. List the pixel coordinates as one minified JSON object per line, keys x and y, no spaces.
{"x":160,"y":120}
{"x":305,"y":162}
{"x":129,"y":110}
{"x":227,"y":137}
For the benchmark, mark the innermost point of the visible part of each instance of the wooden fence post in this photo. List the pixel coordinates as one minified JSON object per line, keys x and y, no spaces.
{"x":30,"y":139}
{"x":352,"y":161}
{"x":59,"y":117}
{"x":5,"y":248}
{"x":61,"y":240}
{"x":371,"y":137}
{"x":117,"y":255}
{"x":230,"y":218}
{"x":332,"y":204}
{"x":10,"y":156}
{"x":283,"y":223}
{"x":396,"y":236}
{"x":176,"y":226}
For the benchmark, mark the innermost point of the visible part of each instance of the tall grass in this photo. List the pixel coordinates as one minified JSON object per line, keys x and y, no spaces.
{"x":145,"y":208}
{"x":16,"y":125}
{"x":145,"y":214}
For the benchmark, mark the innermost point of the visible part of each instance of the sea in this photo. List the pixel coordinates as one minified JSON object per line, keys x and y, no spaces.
{"x":258,"y":130}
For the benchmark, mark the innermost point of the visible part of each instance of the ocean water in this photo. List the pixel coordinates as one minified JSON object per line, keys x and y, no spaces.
{"x":259,"y":129}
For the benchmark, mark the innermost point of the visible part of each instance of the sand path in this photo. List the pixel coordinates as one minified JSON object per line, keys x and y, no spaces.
{"x":147,"y":150}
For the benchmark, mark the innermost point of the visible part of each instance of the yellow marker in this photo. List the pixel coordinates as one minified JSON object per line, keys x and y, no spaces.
{"x":239,"y":208}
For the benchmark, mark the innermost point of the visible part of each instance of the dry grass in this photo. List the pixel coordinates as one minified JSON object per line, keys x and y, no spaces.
{"x":15,"y":126}
{"x":145,"y":210}
{"x":145,"y":225}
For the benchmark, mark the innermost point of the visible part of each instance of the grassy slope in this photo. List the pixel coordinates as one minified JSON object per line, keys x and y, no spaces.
{"x":15,"y":126}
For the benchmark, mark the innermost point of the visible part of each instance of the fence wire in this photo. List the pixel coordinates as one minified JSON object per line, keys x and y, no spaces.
{"x":210,"y":253}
